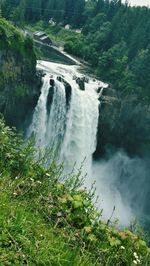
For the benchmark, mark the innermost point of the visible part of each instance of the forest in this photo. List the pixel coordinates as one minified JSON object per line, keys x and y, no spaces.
{"x":114,"y":39}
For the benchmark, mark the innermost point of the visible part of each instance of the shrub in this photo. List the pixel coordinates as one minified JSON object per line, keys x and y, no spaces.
{"x":44,"y":215}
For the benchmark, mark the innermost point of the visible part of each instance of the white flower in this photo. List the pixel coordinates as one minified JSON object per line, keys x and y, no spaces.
{"x":135,"y":262}
{"x":135,"y":255}
{"x":138,"y":260}
{"x":47,"y":174}
{"x":32,"y":179}
{"x":122,"y":247}
{"x":39,"y":182}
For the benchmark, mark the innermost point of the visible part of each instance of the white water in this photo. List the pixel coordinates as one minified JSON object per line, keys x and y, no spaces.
{"x":55,"y":127}
{"x":39,"y":121}
{"x":72,"y":131}
{"x":80,"y":138}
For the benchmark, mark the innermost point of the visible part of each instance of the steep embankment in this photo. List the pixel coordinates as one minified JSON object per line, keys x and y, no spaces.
{"x":18,"y":80}
{"x":42,"y":220}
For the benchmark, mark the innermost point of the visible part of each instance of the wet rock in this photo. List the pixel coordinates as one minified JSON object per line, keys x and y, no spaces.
{"x":85,"y":79}
{"x":81,"y":84}
{"x":52,"y":82}
{"x":68,"y":93}
{"x":59,"y":78}
{"x":49,"y":99}
{"x":99,"y":89}
{"x":74,"y":77}
{"x":124,"y":122}
{"x":67,"y":89}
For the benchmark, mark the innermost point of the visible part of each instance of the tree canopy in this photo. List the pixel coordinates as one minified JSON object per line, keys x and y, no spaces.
{"x":115,"y":37}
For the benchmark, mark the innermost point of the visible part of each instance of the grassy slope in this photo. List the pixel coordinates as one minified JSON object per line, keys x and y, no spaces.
{"x":45,"y":222}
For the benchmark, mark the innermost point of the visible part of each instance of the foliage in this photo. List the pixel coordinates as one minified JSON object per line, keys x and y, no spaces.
{"x":18,"y":47}
{"x":43,"y":217}
{"x":66,"y":11}
{"x":19,"y":83}
{"x":107,"y":27}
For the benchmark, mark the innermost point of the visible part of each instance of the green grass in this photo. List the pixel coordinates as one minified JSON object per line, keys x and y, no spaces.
{"x":47,"y":219}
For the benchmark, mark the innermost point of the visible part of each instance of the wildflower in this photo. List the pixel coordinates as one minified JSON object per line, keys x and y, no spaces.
{"x":138,"y":260}
{"x":135,"y":262}
{"x":32,"y":179}
{"x":15,"y":194}
{"x":47,"y":174}
{"x":122,"y":247}
{"x":135,"y":255}
{"x":39,"y":182}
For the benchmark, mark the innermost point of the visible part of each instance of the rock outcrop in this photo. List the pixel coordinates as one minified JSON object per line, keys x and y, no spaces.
{"x":124,"y":122}
{"x":19,"y":82}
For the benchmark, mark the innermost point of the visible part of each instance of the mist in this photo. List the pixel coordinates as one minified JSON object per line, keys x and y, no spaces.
{"x":123,"y":182}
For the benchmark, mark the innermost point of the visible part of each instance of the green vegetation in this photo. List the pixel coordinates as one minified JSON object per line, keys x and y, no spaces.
{"x":47,"y":219}
{"x":20,"y":49}
{"x":114,"y":40}
{"x":19,"y":83}
{"x":12,"y":39}
{"x":57,"y":33}
{"x":66,"y":11}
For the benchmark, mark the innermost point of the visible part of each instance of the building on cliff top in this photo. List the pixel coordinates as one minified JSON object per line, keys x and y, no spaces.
{"x":40,"y":36}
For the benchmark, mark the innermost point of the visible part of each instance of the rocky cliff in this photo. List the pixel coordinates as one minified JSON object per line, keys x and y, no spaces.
{"x":19,"y":83}
{"x":124,"y":122}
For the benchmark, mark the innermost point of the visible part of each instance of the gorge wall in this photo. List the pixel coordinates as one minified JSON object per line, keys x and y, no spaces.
{"x":124,"y":122}
{"x":19,"y":82}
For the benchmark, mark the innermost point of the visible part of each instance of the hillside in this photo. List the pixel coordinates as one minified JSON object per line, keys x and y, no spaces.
{"x":44,"y":216}
{"x":19,"y":84}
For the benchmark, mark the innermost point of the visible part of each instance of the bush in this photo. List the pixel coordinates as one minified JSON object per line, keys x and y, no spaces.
{"x":44,"y":214}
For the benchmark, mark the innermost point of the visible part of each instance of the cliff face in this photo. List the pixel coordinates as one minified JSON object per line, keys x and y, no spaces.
{"x":19,"y":83}
{"x":124,"y":122}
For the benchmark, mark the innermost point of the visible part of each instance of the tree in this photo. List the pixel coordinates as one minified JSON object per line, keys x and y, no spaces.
{"x":78,"y":13}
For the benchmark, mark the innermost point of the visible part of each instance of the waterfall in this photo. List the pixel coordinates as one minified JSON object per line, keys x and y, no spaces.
{"x":72,"y":130}
{"x":38,"y":126}
{"x":80,"y":138}
{"x":57,"y":118}
{"x":67,"y":121}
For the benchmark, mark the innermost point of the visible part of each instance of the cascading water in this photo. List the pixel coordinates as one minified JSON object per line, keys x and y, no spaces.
{"x":49,"y":128}
{"x":72,"y":130}
{"x":55,"y":128}
{"x":68,"y":122}
{"x":39,"y":121}
{"x":80,"y":139}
